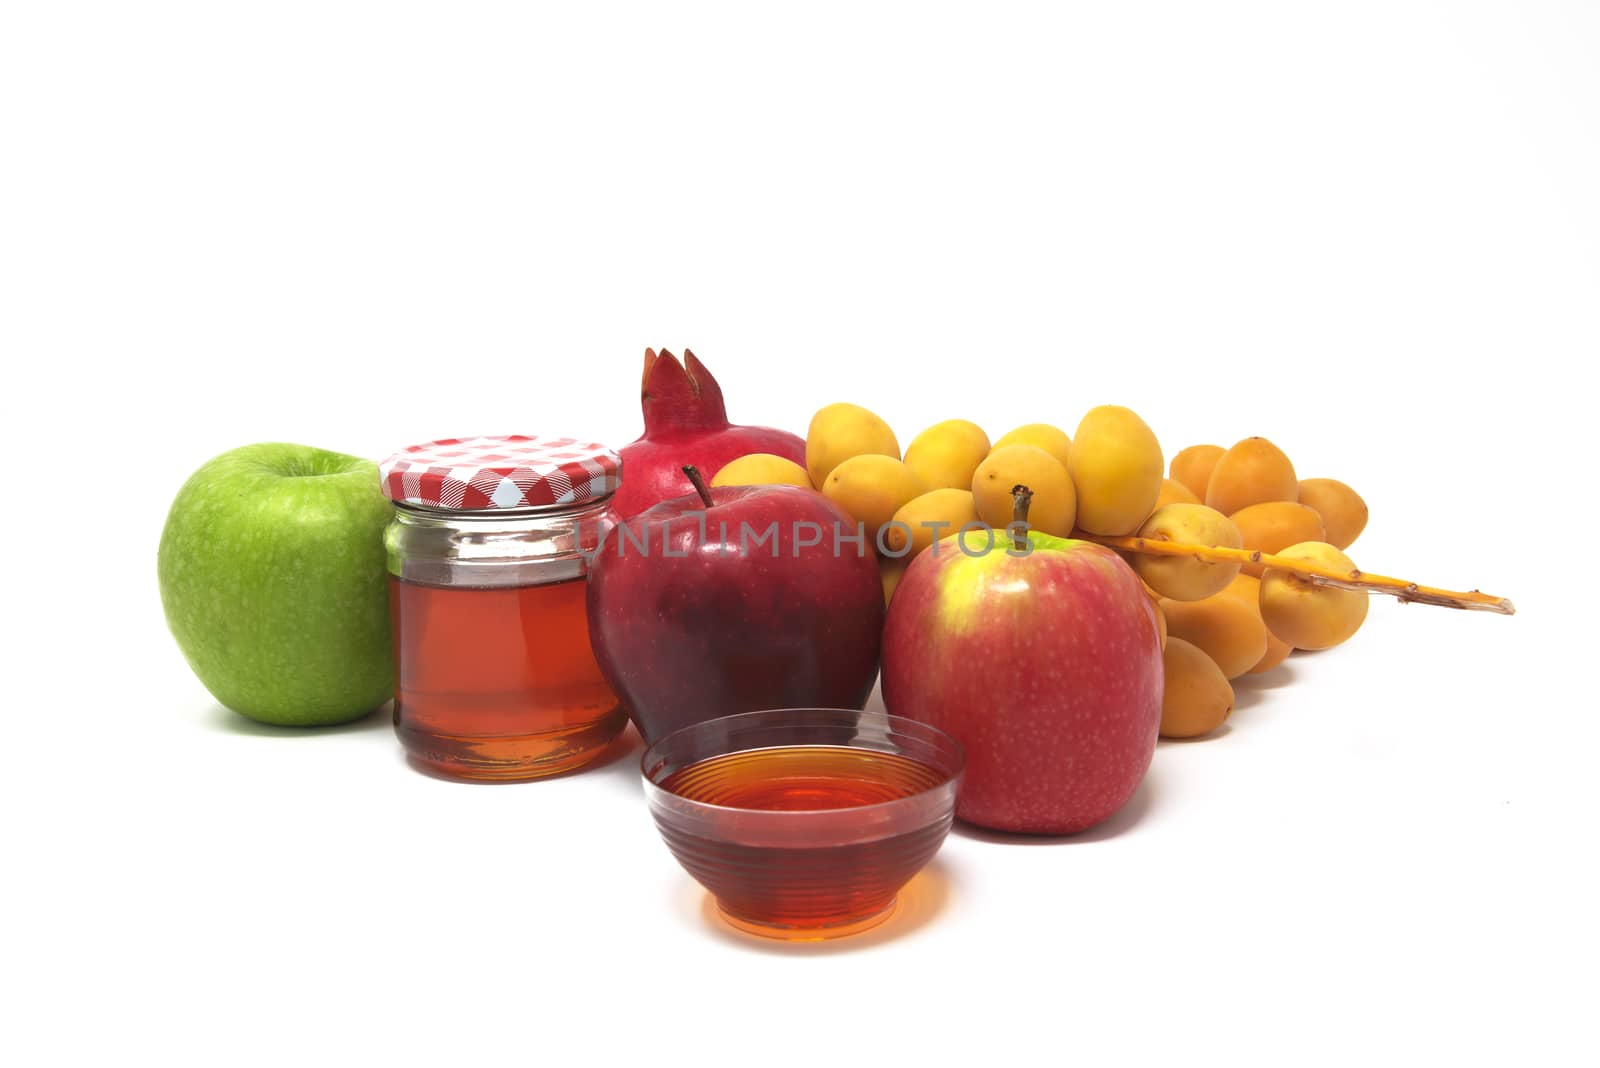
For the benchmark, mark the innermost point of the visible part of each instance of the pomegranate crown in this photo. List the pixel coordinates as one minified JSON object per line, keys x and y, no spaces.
{"x":679,"y":396}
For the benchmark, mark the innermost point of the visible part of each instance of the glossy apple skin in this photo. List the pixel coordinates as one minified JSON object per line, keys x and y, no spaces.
{"x":1045,"y":667}
{"x":701,"y":630}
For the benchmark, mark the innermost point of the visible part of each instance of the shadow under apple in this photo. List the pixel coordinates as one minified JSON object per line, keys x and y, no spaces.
{"x":220,"y":718}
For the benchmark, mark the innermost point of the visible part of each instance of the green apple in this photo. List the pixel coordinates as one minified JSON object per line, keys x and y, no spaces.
{"x":274,"y":582}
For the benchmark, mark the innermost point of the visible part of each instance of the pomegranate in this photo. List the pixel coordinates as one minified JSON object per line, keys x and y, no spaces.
{"x":686,"y":422}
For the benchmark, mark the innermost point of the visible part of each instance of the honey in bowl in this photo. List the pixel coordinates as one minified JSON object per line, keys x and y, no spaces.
{"x":804,"y":824}
{"x":799,"y":777}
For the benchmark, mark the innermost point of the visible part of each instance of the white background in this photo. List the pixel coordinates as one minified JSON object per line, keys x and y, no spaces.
{"x":1370,"y":232}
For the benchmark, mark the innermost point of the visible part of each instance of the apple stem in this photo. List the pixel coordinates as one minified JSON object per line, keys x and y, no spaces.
{"x":1313,"y":573}
{"x":1021,"y":498}
{"x":700,"y":486}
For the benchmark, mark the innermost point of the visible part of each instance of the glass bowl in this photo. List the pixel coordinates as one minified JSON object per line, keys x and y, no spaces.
{"x":804,"y":823}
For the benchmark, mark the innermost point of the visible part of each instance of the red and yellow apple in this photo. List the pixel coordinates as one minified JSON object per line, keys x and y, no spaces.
{"x":1045,"y":665}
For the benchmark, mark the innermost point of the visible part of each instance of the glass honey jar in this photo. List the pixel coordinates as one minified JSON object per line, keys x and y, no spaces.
{"x":487,"y":556}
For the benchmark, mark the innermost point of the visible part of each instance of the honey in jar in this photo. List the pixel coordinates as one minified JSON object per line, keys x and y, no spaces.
{"x":487,"y":552}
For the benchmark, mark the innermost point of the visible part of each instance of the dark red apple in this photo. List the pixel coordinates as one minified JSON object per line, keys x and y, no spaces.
{"x":1045,"y":666}
{"x":686,"y":422}
{"x":738,"y":601}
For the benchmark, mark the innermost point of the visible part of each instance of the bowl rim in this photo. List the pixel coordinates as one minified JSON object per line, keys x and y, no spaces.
{"x":952,"y":781}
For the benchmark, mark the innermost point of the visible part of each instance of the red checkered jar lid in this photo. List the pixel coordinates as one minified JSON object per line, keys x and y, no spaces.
{"x":501,"y":473}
